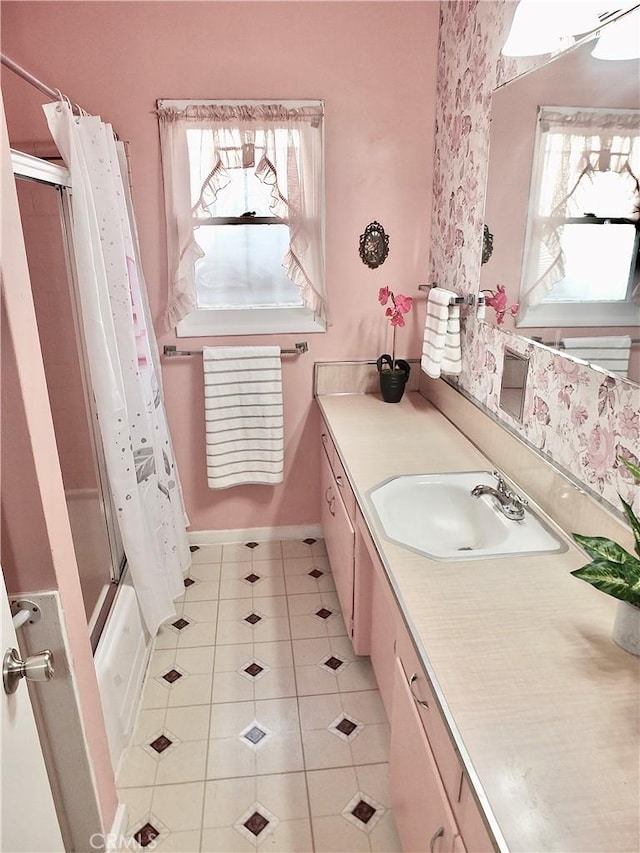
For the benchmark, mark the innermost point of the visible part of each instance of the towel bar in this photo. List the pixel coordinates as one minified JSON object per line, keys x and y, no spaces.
{"x":469,"y":299}
{"x":170,"y":351}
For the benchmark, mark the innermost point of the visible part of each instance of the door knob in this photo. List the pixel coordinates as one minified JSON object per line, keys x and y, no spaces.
{"x":38,"y":667}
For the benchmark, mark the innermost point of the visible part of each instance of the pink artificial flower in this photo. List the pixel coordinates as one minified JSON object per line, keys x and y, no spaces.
{"x":514,"y":309}
{"x":383,"y":295}
{"x":397,"y":319}
{"x":403,"y":303}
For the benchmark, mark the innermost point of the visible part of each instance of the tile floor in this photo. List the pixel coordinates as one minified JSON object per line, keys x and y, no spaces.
{"x":259,"y":728}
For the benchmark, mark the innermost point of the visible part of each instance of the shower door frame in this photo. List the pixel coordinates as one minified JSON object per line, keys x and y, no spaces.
{"x":30,"y":168}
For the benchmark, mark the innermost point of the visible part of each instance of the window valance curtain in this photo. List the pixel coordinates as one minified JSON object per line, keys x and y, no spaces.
{"x":574,"y":146}
{"x":284,"y":148}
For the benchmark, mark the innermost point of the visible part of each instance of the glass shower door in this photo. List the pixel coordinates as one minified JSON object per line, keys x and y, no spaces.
{"x":98,"y":548}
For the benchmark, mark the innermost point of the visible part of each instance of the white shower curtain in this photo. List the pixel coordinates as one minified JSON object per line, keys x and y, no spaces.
{"x":123,"y":363}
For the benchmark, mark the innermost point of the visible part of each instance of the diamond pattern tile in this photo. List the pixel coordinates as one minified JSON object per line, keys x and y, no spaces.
{"x":309,"y":541}
{"x":254,"y":669}
{"x":316,"y":573}
{"x":363,"y":811}
{"x":323,"y":613}
{"x":252,"y":618}
{"x":188,"y":582}
{"x":180,"y":624}
{"x":172,"y":676}
{"x":252,"y":578}
{"x":194,"y":548}
{"x":146,"y":834}
{"x":333,"y":663}
{"x":252,"y":545}
{"x":255,"y":735}
{"x":161,"y":743}
{"x":346,"y":726}
{"x":256,"y":824}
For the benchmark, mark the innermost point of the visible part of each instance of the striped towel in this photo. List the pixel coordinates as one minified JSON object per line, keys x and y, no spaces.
{"x":610,"y":351}
{"x":243,"y":415}
{"x":441,"y":343}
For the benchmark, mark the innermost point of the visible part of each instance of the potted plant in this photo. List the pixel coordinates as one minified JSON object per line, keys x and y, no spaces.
{"x":393,"y":372}
{"x":616,"y":572}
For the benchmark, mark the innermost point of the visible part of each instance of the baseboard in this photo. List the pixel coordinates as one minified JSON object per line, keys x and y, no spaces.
{"x":117,"y":835}
{"x":255,"y":534}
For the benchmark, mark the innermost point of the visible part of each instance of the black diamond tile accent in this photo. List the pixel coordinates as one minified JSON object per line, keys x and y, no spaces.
{"x":316,"y":573}
{"x":253,"y":669}
{"x":146,"y":834}
{"x":346,"y":726}
{"x":323,"y":613}
{"x":255,"y":735}
{"x":363,"y":811}
{"x":172,"y":675}
{"x":180,"y":624}
{"x":309,"y":541}
{"x":334,"y":663}
{"x":256,"y":823}
{"x":189,"y":582}
{"x":161,"y":743}
{"x":252,"y":618}
{"x":252,"y":545}
{"x":252,"y":578}
{"x":194,"y":548}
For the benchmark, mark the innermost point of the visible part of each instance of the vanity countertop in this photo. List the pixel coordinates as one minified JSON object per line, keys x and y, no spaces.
{"x":543,"y":703}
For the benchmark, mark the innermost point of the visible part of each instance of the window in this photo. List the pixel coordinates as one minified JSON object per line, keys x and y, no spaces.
{"x":244,"y":201}
{"x":581,"y":253}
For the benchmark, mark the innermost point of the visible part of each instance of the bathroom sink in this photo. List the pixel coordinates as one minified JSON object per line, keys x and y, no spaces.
{"x":436,"y":515}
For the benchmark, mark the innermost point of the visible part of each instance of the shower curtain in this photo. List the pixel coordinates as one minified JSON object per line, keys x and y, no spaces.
{"x":123,"y":362}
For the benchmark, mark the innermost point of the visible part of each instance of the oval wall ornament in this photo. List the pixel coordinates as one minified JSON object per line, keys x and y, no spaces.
{"x":374,"y":245}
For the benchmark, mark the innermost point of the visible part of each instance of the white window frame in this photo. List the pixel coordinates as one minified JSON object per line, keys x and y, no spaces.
{"x":214,"y":322}
{"x":567,"y":314}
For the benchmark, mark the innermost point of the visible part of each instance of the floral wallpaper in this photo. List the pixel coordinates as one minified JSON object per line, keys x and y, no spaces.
{"x":581,"y":418}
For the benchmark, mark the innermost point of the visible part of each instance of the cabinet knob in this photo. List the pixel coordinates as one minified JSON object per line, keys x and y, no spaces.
{"x":422,"y":702}
{"x":436,"y":835}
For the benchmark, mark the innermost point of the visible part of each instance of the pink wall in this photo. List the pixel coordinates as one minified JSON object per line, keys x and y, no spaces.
{"x":373,"y":63}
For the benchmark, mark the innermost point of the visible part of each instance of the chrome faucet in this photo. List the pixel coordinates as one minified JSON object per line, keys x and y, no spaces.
{"x":511,"y":504}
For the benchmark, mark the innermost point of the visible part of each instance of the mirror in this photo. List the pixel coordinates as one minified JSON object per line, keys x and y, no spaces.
{"x":514,"y":382}
{"x":565,"y":242}
{"x":374,"y":245}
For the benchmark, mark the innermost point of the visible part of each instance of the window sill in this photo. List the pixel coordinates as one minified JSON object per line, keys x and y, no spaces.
{"x":248,"y":321}
{"x":576,"y":314}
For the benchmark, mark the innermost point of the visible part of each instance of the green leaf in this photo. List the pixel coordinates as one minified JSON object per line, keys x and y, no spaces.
{"x":599,"y":547}
{"x":635,"y":469}
{"x":607,"y":577}
{"x":633,"y":521}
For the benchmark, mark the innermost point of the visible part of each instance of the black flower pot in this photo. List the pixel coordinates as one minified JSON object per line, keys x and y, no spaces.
{"x":392,"y":381}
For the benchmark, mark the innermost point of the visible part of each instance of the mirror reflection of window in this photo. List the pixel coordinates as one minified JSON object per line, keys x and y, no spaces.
{"x":582,"y":242}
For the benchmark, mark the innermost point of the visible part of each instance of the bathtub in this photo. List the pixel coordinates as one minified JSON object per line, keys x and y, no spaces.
{"x":120,"y":661}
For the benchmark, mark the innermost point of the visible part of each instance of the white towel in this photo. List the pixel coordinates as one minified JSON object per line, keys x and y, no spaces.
{"x":441,"y":343}
{"x":611,"y":351}
{"x":244,"y":416}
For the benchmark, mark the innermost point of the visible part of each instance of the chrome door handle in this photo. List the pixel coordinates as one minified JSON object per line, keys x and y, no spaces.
{"x":436,"y":835}
{"x":422,"y":702}
{"x":38,"y":667}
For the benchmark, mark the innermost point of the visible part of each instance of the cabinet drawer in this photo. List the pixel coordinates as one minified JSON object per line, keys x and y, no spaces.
{"x":344,"y":488}
{"x":429,"y":712}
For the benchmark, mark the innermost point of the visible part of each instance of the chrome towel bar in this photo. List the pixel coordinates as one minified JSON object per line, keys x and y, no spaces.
{"x":170,"y":351}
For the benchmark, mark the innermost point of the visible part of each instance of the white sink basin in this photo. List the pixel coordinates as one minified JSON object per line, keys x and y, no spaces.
{"x":436,"y":515}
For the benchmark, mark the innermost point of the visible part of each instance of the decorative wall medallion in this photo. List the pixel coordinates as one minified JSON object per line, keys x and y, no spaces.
{"x":487,"y":244}
{"x":374,"y":245}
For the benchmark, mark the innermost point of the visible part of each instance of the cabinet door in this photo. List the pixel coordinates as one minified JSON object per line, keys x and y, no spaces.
{"x":384,"y":616}
{"x":423,"y":816}
{"x":339,"y":539}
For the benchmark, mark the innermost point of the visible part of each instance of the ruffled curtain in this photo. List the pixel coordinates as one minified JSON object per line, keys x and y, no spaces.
{"x":284,"y":148}
{"x":573,"y":147}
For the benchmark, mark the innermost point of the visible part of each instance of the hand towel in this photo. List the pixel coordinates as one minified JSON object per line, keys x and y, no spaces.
{"x":609,"y":351}
{"x":244,"y":419}
{"x":441,"y":343}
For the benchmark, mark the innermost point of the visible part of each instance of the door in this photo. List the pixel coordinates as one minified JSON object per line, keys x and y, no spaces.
{"x":28,"y":821}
